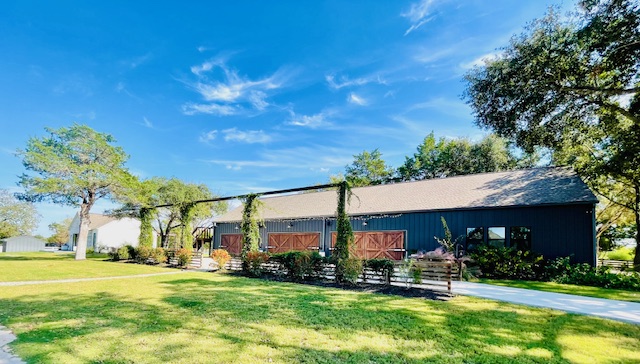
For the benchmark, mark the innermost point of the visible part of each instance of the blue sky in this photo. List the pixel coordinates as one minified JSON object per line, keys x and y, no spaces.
{"x":245,"y":96}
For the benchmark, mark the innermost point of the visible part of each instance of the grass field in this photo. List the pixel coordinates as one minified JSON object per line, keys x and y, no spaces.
{"x":214,"y":318}
{"x":49,"y":266}
{"x":612,"y":294}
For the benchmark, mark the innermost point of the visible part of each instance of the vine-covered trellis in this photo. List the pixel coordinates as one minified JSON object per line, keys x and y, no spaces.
{"x":146,"y":229}
{"x":250,"y":225}
{"x":344,"y":232}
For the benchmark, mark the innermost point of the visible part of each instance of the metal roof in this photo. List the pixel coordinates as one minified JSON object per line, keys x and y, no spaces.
{"x":527,"y":187}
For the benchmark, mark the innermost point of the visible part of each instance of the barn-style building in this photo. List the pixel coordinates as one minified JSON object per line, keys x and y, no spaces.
{"x":547,"y":210}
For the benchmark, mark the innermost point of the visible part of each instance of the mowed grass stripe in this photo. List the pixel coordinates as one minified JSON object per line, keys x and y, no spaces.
{"x":52,"y":266}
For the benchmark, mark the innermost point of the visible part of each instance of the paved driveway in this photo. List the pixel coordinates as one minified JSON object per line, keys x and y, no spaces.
{"x":611,"y":309}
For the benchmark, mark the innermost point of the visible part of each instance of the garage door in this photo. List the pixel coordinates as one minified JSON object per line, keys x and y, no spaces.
{"x":377,"y":244}
{"x":284,"y":242}
{"x":231,"y":243}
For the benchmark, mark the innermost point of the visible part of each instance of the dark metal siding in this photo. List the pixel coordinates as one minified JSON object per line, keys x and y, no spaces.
{"x":555,"y":230}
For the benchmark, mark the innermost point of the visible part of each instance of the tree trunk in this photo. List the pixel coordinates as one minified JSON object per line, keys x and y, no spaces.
{"x":636,"y":212}
{"x":81,"y":247}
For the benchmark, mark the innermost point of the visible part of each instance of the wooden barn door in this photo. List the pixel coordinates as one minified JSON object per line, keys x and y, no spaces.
{"x":377,"y":244}
{"x":284,"y":242}
{"x":231,"y":243}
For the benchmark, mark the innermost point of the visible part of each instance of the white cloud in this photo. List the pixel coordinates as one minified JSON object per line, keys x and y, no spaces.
{"x":294,"y":159}
{"x":230,"y":92}
{"x":451,"y":107}
{"x":355,"y":99}
{"x":248,"y":136}
{"x":208,"y":136}
{"x":480,"y":61}
{"x":429,"y":55}
{"x":310,"y":121}
{"x":256,"y":98}
{"x":137,"y":61}
{"x":418,"y":14}
{"x":337,"y":83}
{"x":237,"y":165}
{"x":147,"y":123}
{"x":212,"y":109}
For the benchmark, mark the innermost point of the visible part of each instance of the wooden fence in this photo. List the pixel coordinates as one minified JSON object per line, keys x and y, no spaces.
{"x":619,"y":265}
{"x":194,"y":262}
{"x":434,"y":274}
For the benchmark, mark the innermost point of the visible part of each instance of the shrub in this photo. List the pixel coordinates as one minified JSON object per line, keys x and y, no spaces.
{"x":121,"y":254}
{"x":221,"y":257}
{"x":158,"y":256}
{"x":560,"y":270}
{"x":507,"y":263}
{"x":132,"y":251}
{"x":183,"y":256}
{"x":143,"y":253}
{"x":300,"y":265}
{"x":383,"y":267}
{"x":90,"y":251}
{"x":351,"y":270}
{"x":252,"y":264}
{"x":416,"y":274}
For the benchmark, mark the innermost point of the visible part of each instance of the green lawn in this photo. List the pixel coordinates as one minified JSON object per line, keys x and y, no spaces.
{"x":612,"y":294}
{"x":48,"y":266}
{"x":215,"y":318}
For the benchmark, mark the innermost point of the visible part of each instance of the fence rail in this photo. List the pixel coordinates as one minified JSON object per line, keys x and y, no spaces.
{"x":434,"y":274}
{"x":616,"y":264}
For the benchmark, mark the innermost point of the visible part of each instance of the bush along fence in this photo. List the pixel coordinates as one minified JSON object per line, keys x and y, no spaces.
{"x":508,"y":263}
{"x":302,"y":266}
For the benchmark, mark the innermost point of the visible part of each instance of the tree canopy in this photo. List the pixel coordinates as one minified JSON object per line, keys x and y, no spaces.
{"x":60,"y":231}
{"x":367,"y":168}
{"x":183,"y":211}
{"x":571,"y":85}
{"x":74,"y":166}
{"x":452,"y":157}
{"x":16,"y":217}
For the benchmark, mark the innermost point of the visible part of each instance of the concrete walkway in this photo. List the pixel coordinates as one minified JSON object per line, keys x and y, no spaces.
{"x":610,"y":309}
{"x":6,"y":357}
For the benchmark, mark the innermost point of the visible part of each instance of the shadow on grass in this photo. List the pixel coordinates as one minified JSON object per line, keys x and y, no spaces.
{"x":246,"y":318}
{"x":497,"y":333}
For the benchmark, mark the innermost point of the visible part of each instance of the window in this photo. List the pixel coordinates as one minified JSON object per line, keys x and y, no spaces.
{"x":475,"y":237}
{"x":497,"y":236}
{"x":521,"y":237}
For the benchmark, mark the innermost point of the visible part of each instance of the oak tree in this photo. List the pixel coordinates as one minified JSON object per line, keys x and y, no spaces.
{"x":570,"y":84}
{"x":73,"y":166}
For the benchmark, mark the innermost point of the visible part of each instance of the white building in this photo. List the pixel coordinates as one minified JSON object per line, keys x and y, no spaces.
{"x":106,"y":232}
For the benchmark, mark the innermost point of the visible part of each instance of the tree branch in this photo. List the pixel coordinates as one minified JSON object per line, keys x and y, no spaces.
{"x":618,"y":109}
{"x":588,"y":90}
{"x":611,"y":199}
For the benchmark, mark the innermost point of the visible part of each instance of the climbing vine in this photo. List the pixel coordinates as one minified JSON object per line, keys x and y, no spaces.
{"x":250,"y":226}
{"x":187,"y":211}
{"x":146,"y":229}
{"x":344,"y":234}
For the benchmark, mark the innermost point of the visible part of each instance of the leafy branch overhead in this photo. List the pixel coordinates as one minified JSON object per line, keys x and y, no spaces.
{"x":571,"y":84}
